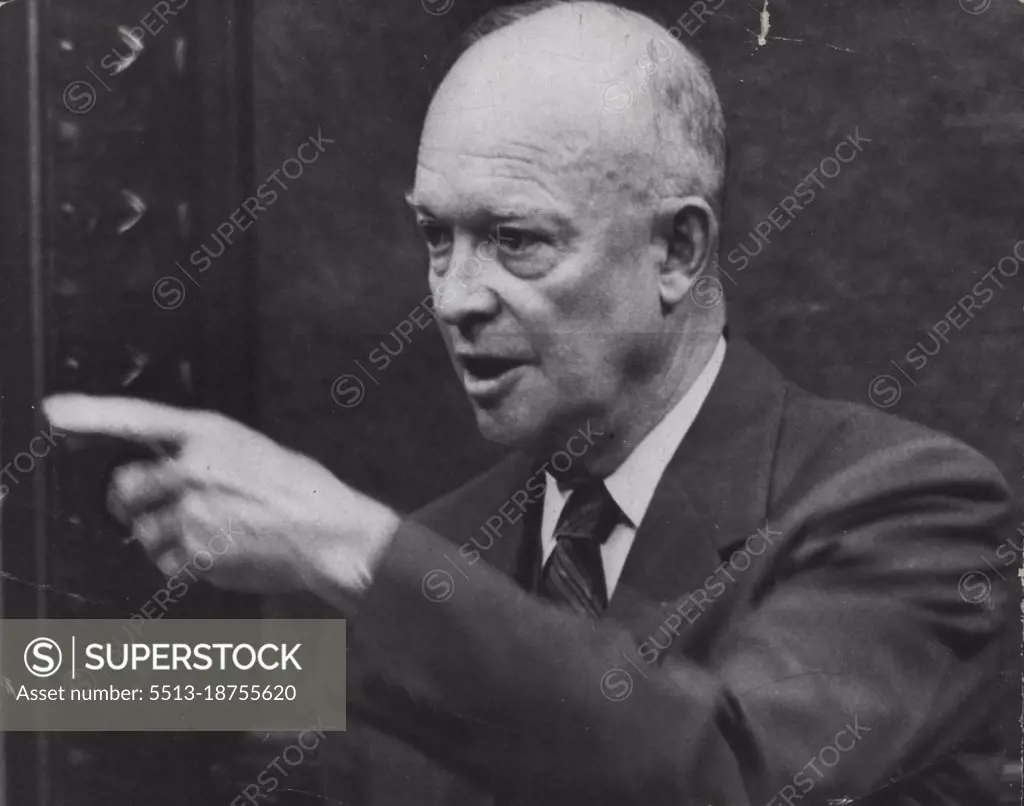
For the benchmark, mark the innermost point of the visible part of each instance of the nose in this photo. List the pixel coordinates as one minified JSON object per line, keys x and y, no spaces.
{"x":463,"y":296}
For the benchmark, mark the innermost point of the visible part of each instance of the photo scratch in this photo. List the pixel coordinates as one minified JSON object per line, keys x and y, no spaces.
{"x":766,"y":24}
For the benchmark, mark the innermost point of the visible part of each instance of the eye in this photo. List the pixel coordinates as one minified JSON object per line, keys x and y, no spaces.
{"x":437,"y":236}
{"x":514,"y":241}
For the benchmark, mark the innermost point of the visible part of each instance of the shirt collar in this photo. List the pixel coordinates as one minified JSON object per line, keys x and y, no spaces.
{"x":633,"y":483}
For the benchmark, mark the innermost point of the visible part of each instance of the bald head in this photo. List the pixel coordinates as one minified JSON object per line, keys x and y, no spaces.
{"x":603,"y":77}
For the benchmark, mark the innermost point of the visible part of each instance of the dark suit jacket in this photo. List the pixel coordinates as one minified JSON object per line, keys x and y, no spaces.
{"x":834,"y":657}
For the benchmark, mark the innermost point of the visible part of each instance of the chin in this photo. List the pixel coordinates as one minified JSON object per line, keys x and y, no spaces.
{"x":518,"y":421}
{"x":506,"y":431}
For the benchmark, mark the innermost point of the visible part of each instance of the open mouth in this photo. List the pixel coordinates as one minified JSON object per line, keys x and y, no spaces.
{"x":488,"y":368}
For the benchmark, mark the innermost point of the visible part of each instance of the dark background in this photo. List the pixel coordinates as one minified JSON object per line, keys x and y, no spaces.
{"x":889,"y":245}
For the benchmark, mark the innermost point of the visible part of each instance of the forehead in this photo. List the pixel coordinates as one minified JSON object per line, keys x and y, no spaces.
{"x":503,"y":177}
{"x":491,"y":143}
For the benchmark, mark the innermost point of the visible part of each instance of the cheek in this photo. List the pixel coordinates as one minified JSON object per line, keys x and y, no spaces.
{"x":579,"y":359}
{"x":606,"y":311}
{"x":606,"y":335}
{"x":586,"y":318}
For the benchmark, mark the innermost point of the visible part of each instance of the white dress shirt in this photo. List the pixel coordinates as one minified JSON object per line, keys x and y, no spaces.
{"x":632,"y":484}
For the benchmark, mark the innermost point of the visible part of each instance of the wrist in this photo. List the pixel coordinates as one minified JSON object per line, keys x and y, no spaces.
{"x":352,"y":551}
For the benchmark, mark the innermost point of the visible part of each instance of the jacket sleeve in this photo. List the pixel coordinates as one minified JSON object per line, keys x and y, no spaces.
{"x":864,"y":653}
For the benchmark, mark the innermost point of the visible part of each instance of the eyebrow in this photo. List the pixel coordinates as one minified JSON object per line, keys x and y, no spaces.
{"x":490,"y":214}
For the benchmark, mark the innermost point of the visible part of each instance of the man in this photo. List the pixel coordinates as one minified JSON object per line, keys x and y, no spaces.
{"x":691,"y":582}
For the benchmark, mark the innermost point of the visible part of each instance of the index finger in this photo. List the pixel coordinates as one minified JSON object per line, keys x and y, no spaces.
{"x":125,"y":417}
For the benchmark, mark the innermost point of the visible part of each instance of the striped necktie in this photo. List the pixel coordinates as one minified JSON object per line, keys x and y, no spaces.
{"x":574,"y":573}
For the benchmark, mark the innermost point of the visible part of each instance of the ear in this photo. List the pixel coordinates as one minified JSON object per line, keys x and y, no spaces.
{"x":689,"y":229}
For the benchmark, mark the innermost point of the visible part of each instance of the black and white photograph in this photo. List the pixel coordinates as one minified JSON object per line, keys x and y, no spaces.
{"x":473,"y":403}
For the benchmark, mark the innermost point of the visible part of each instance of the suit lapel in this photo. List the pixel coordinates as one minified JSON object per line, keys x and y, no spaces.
{"x":711,"y":496}
{"x":472,"y":518}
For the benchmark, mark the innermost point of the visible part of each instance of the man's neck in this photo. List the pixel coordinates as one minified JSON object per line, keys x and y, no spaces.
{"x":615,"y":438}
